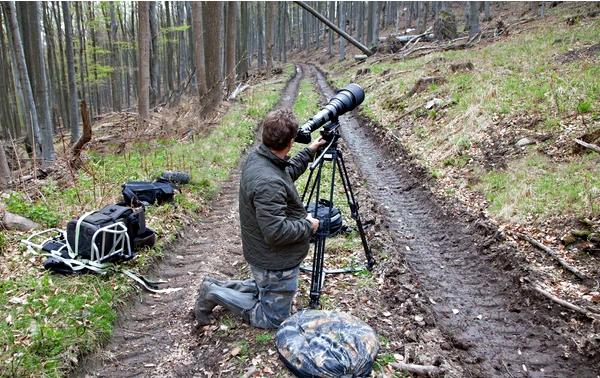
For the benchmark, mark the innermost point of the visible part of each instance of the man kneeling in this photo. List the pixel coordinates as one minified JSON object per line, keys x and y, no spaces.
{"x":275,"y":227}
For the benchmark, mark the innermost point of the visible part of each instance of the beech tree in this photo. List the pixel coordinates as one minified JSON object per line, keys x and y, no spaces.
{"x":144,"y":61}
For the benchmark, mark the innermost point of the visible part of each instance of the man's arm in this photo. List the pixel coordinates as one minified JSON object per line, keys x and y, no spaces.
{"x":299,"y":162}
{"x":270,"y":202}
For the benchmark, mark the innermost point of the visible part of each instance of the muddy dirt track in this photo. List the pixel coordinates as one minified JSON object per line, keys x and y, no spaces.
{"x":477,"y":303}
{"x":493,"y":327}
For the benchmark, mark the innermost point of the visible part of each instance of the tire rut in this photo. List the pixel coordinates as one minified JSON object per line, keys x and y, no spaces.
{"x":155,"y":336}
{"x":495,"y":329}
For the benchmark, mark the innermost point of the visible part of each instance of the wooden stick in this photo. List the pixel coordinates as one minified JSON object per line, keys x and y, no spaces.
{"x":425,"y":370}
{"x":591,"y":146}
{"x":566,"y":304}
{"x":87,"y":130}
{"x":554,"y":255}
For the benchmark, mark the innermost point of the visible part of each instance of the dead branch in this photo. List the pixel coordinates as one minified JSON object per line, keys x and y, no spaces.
{"x":87,"y":131}
{"x":424,"y":370}
{"x":591,"y":146}
{"x":554,"y":255}
{"x":240,"y":88}
{"x":566,"y":304}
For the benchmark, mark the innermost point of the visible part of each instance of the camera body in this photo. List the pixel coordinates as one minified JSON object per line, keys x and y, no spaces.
{"x":345,"y":100}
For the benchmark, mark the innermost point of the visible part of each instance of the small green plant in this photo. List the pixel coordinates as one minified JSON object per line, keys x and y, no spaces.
{"x":244,"y":355}
{"x":37,"y":212}
{"x":383,"y":360}
{"x":264,"y":338}
{"x":584,"y":107}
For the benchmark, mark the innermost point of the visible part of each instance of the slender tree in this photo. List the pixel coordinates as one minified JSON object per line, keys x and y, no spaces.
{"x":30,"y":111}
{"x":143,"y":61}
{"x":73,"y":118}
{"x":40,"y":82}
{"x":342,"y":18}
{"x":269,"y":19}
{"x":212,"y":16}
{"x":154,"y":55}
{"x":473,"y":18}
{"x":243,"y":40}
{"x":199,"y":48}
{"x":232,"y":9}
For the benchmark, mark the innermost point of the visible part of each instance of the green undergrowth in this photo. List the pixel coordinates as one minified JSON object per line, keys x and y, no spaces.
{"x":47,"y":322}
{"x":536,"y":186}
{"x":522,"y":76}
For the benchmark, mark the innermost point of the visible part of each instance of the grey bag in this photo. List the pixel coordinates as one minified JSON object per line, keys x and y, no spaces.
{"x":315,"y":343}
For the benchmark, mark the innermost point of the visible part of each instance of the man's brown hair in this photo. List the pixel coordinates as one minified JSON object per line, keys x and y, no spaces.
{"x":279,"y":128}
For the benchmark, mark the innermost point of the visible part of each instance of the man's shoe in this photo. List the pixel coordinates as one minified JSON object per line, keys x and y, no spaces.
{"x":204,"y":306}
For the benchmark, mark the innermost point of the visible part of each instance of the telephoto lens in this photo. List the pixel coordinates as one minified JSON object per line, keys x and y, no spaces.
{"x":345,"y":100}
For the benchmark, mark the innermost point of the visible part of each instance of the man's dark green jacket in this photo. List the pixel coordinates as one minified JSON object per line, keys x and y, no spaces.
{"x":275,"y":231}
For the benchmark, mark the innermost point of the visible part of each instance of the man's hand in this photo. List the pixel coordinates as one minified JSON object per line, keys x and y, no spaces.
{"x":314,"y":146}
{"x":314,"y":222}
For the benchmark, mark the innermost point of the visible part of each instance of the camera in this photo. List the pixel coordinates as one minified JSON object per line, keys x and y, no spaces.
{"x":345,"y":100}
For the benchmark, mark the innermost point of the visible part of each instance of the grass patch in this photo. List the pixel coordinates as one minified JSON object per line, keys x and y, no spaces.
{"x":264,"y":338}
{"x":47,"y":321}
{"x":539,"y":187}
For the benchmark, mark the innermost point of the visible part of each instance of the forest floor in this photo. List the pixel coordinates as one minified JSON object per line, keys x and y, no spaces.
{"x":445,"y":191}
{"x":480,"y":319}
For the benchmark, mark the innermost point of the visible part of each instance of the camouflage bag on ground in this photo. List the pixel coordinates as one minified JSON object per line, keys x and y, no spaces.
{"x":315,"y":343}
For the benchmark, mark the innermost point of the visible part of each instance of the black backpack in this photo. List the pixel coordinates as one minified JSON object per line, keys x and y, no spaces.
{"x":140,"y":192}
{"x":335,"y":217}
{"x":132,"y":218}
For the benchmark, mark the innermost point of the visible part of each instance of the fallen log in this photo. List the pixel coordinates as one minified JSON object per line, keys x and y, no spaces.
{"x":566,"y":304}
{"x":591,"y":146}
{"x":423,"y":370}
{"x":554,"y":255}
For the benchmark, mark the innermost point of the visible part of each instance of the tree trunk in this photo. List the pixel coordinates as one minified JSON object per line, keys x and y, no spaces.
{"x":65,"y":115}
{"x":80,"y":32}
{"x":371,"y":21}
{"x":231,"y":44}
{"x":260,"y":37}
{"x":114,"y":75}
{"x":199,"y":48}
{"x":342,"y":41}
{"x":143,"y":61}
{"x":212,"y":18}
{"x":30,"y":111}
{"x":154,"y":55}
{"x":73,"y":119}
{"x":331,"y":17}
{"x":244,"y":32}
{"x":473,"y":18}
{"x":5,"y":173}
{"x":269,"y":18}
{"x":37,"y":76}
{"x":487,"y":14}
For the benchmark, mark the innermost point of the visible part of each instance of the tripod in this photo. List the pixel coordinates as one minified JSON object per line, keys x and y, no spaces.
{"x":333,"y":154}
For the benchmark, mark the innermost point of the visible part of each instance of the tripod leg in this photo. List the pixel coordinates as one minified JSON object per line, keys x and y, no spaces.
{"x":354,"y":209}
{"x":317,"y":276}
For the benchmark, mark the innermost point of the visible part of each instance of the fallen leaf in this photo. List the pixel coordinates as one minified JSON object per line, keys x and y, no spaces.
{"x":235,"y":351}
{"x":386,"y":313}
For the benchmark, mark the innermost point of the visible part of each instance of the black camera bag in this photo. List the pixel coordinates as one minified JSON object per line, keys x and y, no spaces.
{"x":335,"y":217}
{"x":133,"y":218}
{"x":138,"y":192}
